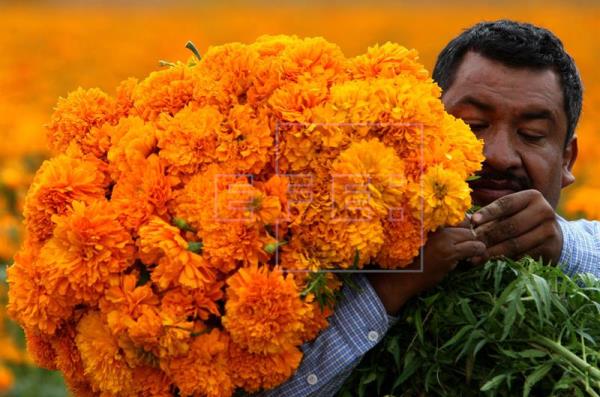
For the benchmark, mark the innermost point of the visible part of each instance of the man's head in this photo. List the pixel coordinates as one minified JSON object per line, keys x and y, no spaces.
{"x":518,"y":89}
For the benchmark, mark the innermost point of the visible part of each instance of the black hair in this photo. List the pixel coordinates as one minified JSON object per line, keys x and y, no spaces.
{"x":515,"y":44}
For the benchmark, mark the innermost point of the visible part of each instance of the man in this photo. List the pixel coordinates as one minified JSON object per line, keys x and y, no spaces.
{"x":518,"y":89}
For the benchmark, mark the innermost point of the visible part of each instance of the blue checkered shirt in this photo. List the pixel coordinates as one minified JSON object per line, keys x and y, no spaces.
{"x":360,"y":321}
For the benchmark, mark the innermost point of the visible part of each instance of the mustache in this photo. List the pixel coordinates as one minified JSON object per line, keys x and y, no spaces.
{"x":510,"y":179}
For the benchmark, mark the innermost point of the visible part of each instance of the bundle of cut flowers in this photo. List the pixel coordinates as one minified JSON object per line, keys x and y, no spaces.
{"x":506,"y":329}
{"x":174,"y":242}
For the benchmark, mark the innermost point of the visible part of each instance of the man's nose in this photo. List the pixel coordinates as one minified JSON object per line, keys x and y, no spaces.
{"x":500,"y":149}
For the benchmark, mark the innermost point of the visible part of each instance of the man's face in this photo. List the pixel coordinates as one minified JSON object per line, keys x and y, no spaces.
{"x":519,"y":113}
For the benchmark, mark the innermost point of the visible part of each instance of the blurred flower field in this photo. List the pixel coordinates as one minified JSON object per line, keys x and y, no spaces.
{"x":48,"y":51}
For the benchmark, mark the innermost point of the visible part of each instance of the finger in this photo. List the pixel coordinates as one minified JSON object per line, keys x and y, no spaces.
{"x":518,"y":246}
{"x":496,"y":231}
{"x":469,"y":249}
{"x":503,"y":207}
{"x":459,"y":234}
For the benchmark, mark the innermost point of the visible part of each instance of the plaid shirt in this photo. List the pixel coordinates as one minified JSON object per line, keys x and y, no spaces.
{"x":360,"y":321}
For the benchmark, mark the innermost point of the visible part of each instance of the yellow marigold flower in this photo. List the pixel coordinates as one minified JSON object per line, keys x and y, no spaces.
{"x":162,"y":244}
{"x":403,"y":238}
{"x":245,"y":141}
{"x":76,"y":115}
{"x":263,"y":310}
{"x":333,"y":238}
{"x":165,"y":91}
{"x":57,"y":183}
{"x":387,"y":60}
{"x":103,"y":362}
{"x":253,"y":371}
{"x":204,"y":371}
{"x":88,"y":247}
{"x":442,"y":198}
{"x":39,"y":347}
{"x":188,"y":140}
{"x":32,"y":300}
{"x":368,"y":178}
{"x":132,"y":141}
{"x":143,"y":192}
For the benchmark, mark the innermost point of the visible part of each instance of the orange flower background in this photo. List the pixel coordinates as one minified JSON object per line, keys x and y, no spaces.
{"x":50,"y":51}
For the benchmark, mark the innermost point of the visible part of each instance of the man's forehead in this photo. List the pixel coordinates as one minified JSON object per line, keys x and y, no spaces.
{"x":478,"y":76}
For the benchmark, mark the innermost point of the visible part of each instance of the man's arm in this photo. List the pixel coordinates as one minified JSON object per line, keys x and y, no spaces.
{"x":581,"y":246}
{"x":357,"y":325}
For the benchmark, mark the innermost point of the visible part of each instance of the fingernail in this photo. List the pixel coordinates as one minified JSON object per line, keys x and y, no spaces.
{"x":476,"y":218}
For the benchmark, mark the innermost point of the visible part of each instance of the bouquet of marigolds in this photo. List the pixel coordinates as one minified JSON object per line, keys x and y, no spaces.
{"x":180,"y":233}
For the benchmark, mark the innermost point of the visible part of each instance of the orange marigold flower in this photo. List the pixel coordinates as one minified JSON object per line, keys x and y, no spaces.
{"x":193,"y":303}
{"x":124,"y":97}
{"x":132,"y":140}
{"x":155,"y":383}
{"x":245,"y":141}
{"x":233,"y":235}
{"x":253,"y":371}
{"x":442,"y":198}
{"x":403,"y":238}
{"x":195,"y":202}
{"x":32,"y":299}
{"x":89,"y":245}
{"x":68,"y":361}
{"x":204,"y":370}
{"x":232,"y":65}
{"x":143,"y":192}
{"x":39,"y":347}
{"x":314,"y":58}
{"x":165,"y":91}
{"x":263,"y":310}
{"x":103,"y":362}
{"x":188,"y":140}
{"x":387,"y":60}
{"x":57,"y":183}
{"x":76,"y":115}
{"x":162,"y":244}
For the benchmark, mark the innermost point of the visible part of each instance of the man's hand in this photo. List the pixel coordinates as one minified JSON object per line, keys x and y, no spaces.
{"x":519,"y":224}
{"x":442,"y":252}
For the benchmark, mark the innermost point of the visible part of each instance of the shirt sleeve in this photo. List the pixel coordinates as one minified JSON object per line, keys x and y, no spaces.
{"x":357,"y":325}
{"x":581,"y":247}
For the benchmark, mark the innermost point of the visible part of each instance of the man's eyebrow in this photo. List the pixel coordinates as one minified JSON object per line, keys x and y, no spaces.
{"x":537,"y":114}
{"x":469,"y":100}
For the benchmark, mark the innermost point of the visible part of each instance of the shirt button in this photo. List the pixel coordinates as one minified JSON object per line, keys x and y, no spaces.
{"x":373,"y":336}
{"x":312,"y":379}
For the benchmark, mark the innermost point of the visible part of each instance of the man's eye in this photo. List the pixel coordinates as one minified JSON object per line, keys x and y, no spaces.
{"x":531,"y":137}
{"x":476,"y":127}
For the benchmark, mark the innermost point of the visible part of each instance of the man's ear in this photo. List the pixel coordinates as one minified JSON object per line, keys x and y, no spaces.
{"x":569,"y":157}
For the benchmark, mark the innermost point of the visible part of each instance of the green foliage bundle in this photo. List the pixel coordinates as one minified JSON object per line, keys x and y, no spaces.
{"x":508,"y":328}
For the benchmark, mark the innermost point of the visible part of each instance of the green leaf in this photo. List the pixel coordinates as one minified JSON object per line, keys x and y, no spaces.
{"x":535,"y":377}
{"x":493,"y":383}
